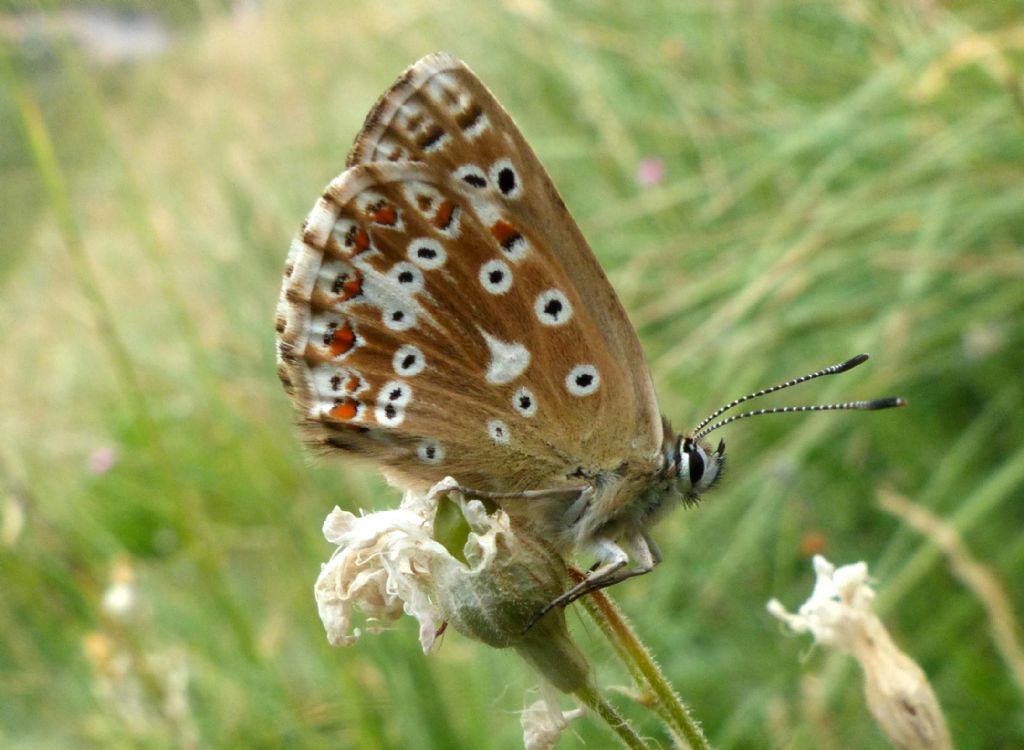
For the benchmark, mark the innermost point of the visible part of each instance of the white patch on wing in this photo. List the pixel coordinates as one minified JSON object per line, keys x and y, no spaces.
{"x":477,"y":128}
{"x":509,"y":360}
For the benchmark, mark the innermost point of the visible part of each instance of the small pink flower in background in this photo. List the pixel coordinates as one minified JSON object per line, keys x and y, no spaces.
{"x":102,"y":460}
{"x":650,"y":172}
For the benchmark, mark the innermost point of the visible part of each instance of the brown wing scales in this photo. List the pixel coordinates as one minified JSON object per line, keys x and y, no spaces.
{"x":442,"y":314}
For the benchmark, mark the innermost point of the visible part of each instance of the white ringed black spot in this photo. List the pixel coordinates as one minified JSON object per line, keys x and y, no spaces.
{"x":504,"y":175}
{"x":496,"y":276}
{"x":392,"y":399}
{"x":498,"y":431}
{"x":524,"y":402}
{"x":407,"y":276}
{"x":427,"y":253}
{"x":430,"y":452}
{"x":398,"y":317}
{"x":408,"y":361}
{"x":583,"y":380}
{"x":552,"y":308}
{"x":389,"y":415}
{"x":471,"y":175}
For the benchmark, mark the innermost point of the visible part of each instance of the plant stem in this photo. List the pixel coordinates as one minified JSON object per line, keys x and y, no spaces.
{"x":589,"y":696}
{"x":642,"y":667}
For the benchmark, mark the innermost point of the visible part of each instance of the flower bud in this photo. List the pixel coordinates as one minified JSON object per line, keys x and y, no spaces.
{"x":389,"y":562}
{"x":510,"y":577}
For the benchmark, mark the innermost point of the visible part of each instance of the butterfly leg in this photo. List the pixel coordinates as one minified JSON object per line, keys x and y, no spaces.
{"x":612,"y":558}
{"x":611,"y":568}
{"x":645,"y":556}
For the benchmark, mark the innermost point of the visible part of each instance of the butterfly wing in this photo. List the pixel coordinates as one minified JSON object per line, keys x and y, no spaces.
{"x":442,"y":314}
{"x":441,"y":114}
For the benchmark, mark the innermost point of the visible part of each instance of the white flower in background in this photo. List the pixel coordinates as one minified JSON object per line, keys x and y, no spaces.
{"x":838,"y":614}
{"x":120,"y":598}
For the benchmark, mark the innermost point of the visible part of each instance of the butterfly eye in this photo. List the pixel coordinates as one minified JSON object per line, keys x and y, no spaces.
{"x":696,"y":465}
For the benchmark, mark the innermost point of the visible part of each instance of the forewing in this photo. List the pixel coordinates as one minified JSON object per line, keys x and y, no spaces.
{"x":441,"y":313}
{"x":439,"y":113}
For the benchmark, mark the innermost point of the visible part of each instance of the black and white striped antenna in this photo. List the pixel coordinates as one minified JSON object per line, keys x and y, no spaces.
{"x":703,"y":429}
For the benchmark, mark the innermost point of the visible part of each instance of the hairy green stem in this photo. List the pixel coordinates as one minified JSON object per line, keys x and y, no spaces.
{"x":590,"y":697}
{"x":642,"y":667}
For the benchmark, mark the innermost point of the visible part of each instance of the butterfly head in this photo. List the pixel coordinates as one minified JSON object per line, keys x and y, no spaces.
{"x":696,"y":467}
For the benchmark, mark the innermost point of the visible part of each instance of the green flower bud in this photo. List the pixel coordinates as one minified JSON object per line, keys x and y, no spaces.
{"x":509,"y":578}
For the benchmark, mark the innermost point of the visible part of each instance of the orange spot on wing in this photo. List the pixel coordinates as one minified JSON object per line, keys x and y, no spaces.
{"x":343,"y":340}
{"x":357,"y":240}
{"x":353,"y":383}
{"x":351,"y":288}
{"x":346,"y":409}
{"x":504,"y":232}
{"x":386,"y":215}
{"x":443,"y":217}
{"x":361,"y":241}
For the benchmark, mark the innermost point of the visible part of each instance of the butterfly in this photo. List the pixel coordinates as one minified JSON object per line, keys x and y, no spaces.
{"x":442,"y":314}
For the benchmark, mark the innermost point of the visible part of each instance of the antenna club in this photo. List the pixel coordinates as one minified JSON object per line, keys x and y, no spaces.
{"x":891,"y":402}
{"x":853,"y":362}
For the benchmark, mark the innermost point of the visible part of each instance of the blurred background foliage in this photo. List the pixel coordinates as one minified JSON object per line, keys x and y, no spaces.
{"x":772,"y":186}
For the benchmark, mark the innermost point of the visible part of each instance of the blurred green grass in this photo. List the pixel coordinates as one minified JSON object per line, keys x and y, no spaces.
{"x":839,"y":177}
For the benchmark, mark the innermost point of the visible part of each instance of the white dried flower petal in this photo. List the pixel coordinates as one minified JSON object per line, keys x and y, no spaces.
{"x":381,"y":567}
{"x":838,"y":614}
{"x":543,"y":723}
